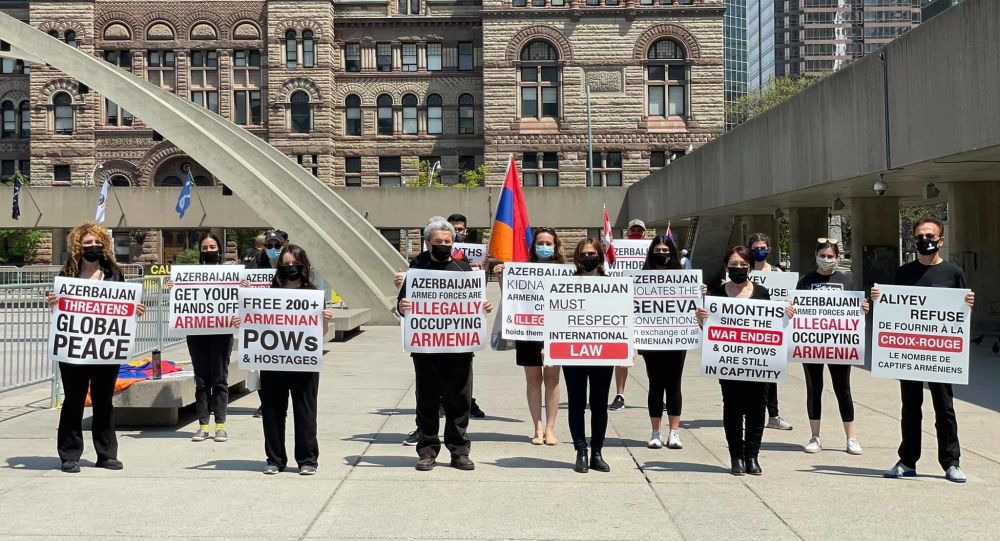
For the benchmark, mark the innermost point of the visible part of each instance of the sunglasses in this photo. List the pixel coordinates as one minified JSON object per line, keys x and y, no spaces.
{"x":272,"y":246}
{"x":823,"y":240}
{"x":931,"y":238}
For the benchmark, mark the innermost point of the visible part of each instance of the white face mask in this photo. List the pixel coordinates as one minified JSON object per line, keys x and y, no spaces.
{"x":826,"y":265}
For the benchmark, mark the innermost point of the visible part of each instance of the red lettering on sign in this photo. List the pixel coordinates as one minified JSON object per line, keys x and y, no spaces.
{"x":96,"y":308}
{"x":746,"y":336}
{"x":588,"y":350}
{"x":532,"y":320}
{"x":921,"y":342}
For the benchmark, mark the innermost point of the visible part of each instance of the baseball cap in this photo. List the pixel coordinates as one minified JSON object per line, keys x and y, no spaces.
{"x":637,"y":222}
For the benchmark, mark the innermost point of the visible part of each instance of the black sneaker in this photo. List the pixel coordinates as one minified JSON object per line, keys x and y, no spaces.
{"x":71,"y":466}
{"x":110,"y":464}
{"x":426,"y":463}
{"x":412,"y":439}
{"x":475,"y":411}
{"x":462,"y":462}
{"x":617,"y":404}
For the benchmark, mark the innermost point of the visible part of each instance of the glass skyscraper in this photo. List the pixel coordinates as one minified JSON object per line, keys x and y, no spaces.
{"x":761,"y":45}
{"x":735,"y":49}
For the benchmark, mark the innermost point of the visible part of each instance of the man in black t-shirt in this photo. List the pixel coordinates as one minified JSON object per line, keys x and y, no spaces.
{"x":929,"y":270}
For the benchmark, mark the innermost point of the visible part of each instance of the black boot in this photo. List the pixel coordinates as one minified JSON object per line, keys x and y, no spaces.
{"x":597,"y":461}
{"x":737,"y":467}
{"x":581,"y":460}
{"x":753,"y":467}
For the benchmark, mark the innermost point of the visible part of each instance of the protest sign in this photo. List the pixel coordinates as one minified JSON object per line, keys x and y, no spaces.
{"x":258,"y":277}
{"x":630,"y":255}
{"x":475,"y":254}
{"x":94,"y":321}
{"x":664,"y":306}
{"x":281,"y":329}
{"x":744,"y":340}
{"x":203,"y":299}
{"x":828,"y":327}
{"x":780,"y":285}
{"x":588,"y":321}
{"x":524,"y":298}
{"x":446,"y":312}
{"x":921,"y":334}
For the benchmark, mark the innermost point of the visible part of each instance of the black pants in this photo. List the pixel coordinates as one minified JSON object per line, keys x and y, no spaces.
{"x":840,"y":374}
{"x":576,"y":388}
{"x":210,"y":357}
{"x":664,"y":369}
{"x":76,"y":379}
{"x":771,"y":399}
{"x":945,"y":423}
{"x":443,"y":379}
{"x":275,"y":387}
{"x":743,"y":399}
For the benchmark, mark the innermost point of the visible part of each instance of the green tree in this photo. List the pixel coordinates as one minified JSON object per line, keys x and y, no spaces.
{"x":767,"y":97}
{"x":17,"y":245}
{"x":425,"y":178}
{"x":191,"y":256}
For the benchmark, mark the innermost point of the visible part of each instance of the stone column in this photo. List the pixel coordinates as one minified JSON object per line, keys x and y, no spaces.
{"x":59,"y":245}
{"x":807,"y":225}
{"x":972,"y":242}
{"x":874,"y":240}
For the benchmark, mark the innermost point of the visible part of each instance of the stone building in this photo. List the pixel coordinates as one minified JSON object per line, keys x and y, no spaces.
{"x":359,"y":90}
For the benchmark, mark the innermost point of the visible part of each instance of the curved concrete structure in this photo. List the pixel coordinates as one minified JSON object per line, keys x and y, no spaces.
{"x":352,"y":255}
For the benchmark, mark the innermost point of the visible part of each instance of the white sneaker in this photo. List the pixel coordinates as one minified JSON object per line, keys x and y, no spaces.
{"x":854,"y":447}
{"x":955,"y":475}
{"x":654,"y":440}
{"x":778,"y":423}
{"x":814,"y":446}
{"x":674,"y":440}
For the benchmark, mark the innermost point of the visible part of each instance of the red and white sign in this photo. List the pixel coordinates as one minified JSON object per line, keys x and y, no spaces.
{"x":745,"y":340}
{"x":94,"y":322}
{"x":447,"y":312}
{"x":828,"y":327}
{"x":921,"y":334}
{"x":204,"y":299}
{"x":258,"y":277}
{"x":281,"y":329}
{"x":665,"y":305}
{"x":630,"y":255}
{"x":475,"y":254}
{"x":588,"y":321}
{"x":524,"y":298}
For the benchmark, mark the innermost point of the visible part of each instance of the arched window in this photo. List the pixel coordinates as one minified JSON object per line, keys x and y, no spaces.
{"x":434,"y":114}
{"x":540,"y":74}
{"x":308,"y":49}
{"x":301,"y":112}
{"x":409,"y":114}
{"x":172,"y":180}
{"x":9,"y":120}
{"x":119,"y":180}
{"x":25,"y":114}
{"x":666,"y":80}
{"x":54,"y":33}
{"x":384,"y":103}
{"x":352,"y":111}
{"x":63,"y":109}
{"x":466,"y":114}
{"x":70,"y":38}
{"x":291,"y":50}
{"x":201,"y":180}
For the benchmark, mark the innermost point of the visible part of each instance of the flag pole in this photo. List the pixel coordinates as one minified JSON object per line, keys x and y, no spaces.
{"x":590,"y":143}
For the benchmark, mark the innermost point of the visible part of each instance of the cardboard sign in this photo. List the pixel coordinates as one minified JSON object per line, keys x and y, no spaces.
{"x":475,"y":254}
{"x":281,"y":329}
{"x":828,"y":327}
{"x":204,"y":299}
{"x":524,"y":298}
{"x":447,"y":313}
{"x":258,"y":277}
{"x":780,"y":285}
{"x":588,"y":321}
{"x":630,"y":255}
{"x":94,"y":321}
{"x":745,"y":340}
{"x":921,"y":334}
{"x":664,"y":304}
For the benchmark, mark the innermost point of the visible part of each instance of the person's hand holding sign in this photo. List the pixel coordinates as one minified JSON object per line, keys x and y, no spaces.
{"x":397,"y":280}
{"x":488,"y":305}
{"x":702,"y":315}
{"x":404,"y":306}
{"x":790,"y":310}
{"x":236,"y":322}
{"x":52,"y":299}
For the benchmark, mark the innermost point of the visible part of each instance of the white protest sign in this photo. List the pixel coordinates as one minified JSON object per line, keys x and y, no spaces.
{"x":524,"y":298}
{"x":828,"y":327}
{"x":921,"y":334}
{"x":94,"y":321}
{"x":446,"y":312}
{"x":588,"y":321}
{"x":665,"y":302}
{"x":281,"y":329}
{"x":780,"y":285}
{"x":744,"y":340}
{"x":475,"y":254}
{"x":203,"y":299}
{"x":630,"y":255}
{"x":258,"y":277}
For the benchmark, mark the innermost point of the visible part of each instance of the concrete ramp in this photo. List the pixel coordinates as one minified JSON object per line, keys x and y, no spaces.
{"x":350,"y":253}
{"x":711,"y":240}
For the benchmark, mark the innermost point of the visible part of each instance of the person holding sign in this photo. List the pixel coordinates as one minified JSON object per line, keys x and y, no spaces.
{"x":91,"y":257}
{"x":827,"y":277}
{"x":636,"y":231}
{"x":545,"y":248}
{"x":928,"y":270}
{"x":760,"y":245}
{"x":438,"y":375}
{"x":742,"y":401}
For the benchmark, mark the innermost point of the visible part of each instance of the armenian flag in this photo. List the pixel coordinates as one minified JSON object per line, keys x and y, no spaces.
{"x":511,"y":237}
{"x":670,"y":234}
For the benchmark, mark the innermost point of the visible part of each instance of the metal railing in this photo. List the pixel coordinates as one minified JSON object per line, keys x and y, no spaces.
{"x":39,"y":274}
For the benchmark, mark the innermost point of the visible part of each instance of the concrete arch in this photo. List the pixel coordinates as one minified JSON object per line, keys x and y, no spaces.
{"x":124,"y":18}
{"x":544,"y":33}
{"x":300,"y":83}
{"x":244,"y":30}
{"x":82,"y":34}
{"x":160,"y":30}
{"x":204,"y":30}
{"x":55,"y":86}
{"x":319,"y":29}
{"x":347,"y":250}
{"x":352,"y":88}
{"x":155,"y":157}
{"x":124,"y":168}
{"x":670,"y":31}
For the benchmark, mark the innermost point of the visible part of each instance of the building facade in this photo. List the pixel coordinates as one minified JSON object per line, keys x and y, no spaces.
{"x":761,"y":42}
{"x":735,"y":36}
{"x":360,"y":91}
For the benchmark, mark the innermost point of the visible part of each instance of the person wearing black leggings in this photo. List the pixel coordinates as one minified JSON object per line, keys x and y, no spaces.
{"x":760,"y":246}
{"x":826,"y":276}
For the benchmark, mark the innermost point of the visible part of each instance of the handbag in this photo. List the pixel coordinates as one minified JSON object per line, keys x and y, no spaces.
{"x":497,"y":341}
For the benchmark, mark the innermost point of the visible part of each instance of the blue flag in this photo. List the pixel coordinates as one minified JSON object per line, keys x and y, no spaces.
{"x":184,"y":199}
{"x":16,"y":212}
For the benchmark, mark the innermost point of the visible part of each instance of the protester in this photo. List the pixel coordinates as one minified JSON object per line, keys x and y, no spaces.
{"x":545,"y":248}
{"x":742,"y":401}
{"x":91,"y":257}
{"x":267,"y":258}
{"x":293,"y":272}
{"x":447,"y":375}
{"x":760,"y":245}
{"x":685,"y":260}
{"x":589,"y":260}
{"x":636,"y":231}
{"x":251,"y":254}
{"x":928,"y":270}
{"x":458,"y":221}
{"x":826,"y":276}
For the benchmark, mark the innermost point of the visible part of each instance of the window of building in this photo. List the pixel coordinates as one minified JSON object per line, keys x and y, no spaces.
{"x":409,"y":7}
{"x":9,"y":120}
{"x":62,"y":173}
{"x":435,"y":116}
{"x":70,"y":39}
{"x":160,"y":69}
{"x":539,"y":84}
{"x":593,"y":2}
{"x":466,"y":114}
{"x":666,"y":80}
{"x":114,"y":115}
{"x":352,"y":114}
{"x":309,"y":162}
{"x":383,"y":56}
{"x":409,"y":51}
{"x":246,"y":68}
{"x":63,"y":111}
{"x":25,"y":110}
{"x":352,"y":171}
{"x":657,"y":159}
{"x":409,"y":114}
{"x":246,"y":88}
{"x":434,"y":57}
{"x":389,"y":168}
{"x":7,"y":168}
{"x":301,"y":112}
{"x":466,"y":163}
{"x":607,"y":169}
{"x":308,"y":49}
{"x":246,"y":107}
{"x":291,"y":49}
{"x":466,"y":56}
{"x":205,"y":79}
{"x":352,"y":57}
{"x":384,"y":105}
{"x":519,"y":3}
{"x":120,"y":181}
{"x":540,"y":169}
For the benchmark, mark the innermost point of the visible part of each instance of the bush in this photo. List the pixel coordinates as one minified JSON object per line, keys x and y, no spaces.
{"x":191,"y":256}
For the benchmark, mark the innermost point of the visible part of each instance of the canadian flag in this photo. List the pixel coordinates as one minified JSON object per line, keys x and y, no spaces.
{"x":609,"y":238}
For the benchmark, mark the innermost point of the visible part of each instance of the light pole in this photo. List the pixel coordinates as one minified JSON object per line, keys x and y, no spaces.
{"x":590,"y":143}
{"x":88,"y":177}
{"x":435,"y":170}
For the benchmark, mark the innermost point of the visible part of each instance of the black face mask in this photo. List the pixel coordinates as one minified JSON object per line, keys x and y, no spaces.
{"x":739,"y":275}
{"x":211,"y":258}
{"x":441,"y":252}
{"x":588,"y":262}
{"x":460,"y":237}
{"x":290,"y":273}
{"x":661,"y":259}
{"x":93,"y":253}
{"x":927,"y":247}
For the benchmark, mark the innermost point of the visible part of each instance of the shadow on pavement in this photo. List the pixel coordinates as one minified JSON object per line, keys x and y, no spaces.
{"x":230,"y":465}
{"x":151,"y":434}
{"x":531,"y":462}
{"x":778,"y":446}
{"x":369,"y":461}
{"x":695,"y":424}
{"x":845,"y":470}
{"x":36,"y":463}
{"x":682,"y":467}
